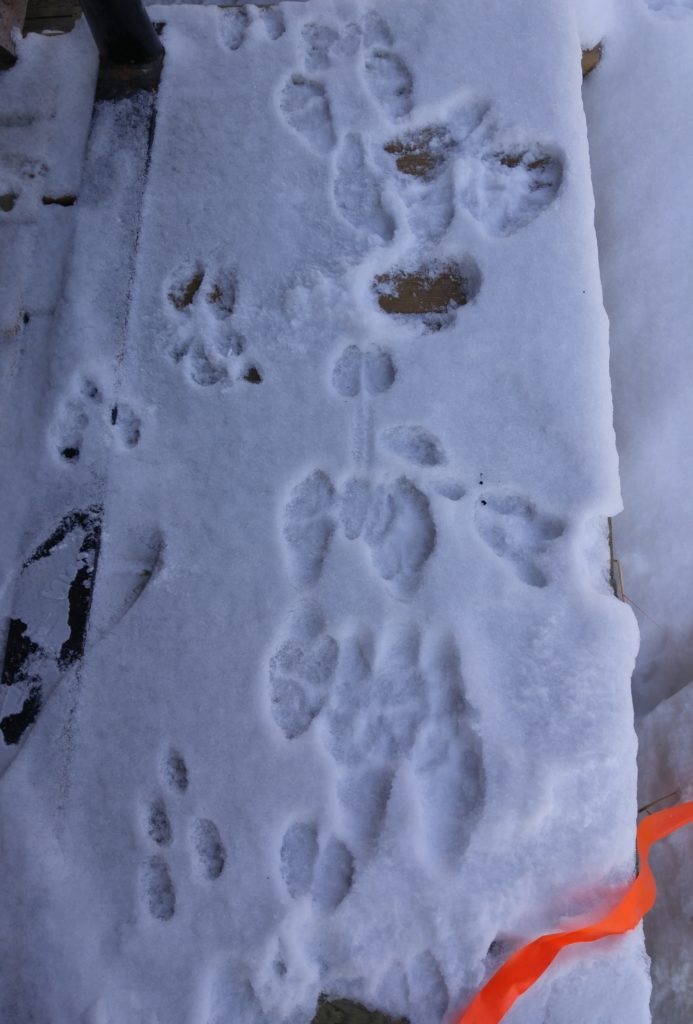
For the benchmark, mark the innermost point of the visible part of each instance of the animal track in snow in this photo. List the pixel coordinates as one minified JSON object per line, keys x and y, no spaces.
{"x":417,"y":992}
{"x":230,"y":998}
{"x":126,"y":424}
{"x":84,"y":418}
{"x":424,"y":163}
{"x":201,"y":303}
{"x":515,"y":531}
{"x":448,"y":761}
{"x":305,"y":105}
{"x":394,"y":519}
{"x":353,"y":506}
{"x":158,"y":823}
{"x":318,"y":40}
{"x":234,"y":23}
{"x":414,"y":444}
{"x":387,"y":705}
{"x":309,"y":525}
{"x":376,"y":31}
{"x":301,"y":670}
{"x":370,"y":724}
{"x":158,"y":891}
{"x":357,"y":190}
{"x":400,"y":532}
{"x":174,"y":771}
{"x":322,"y":870}
{"x":306,"y":108}
{"x":207,"y":851}
{"x":372,"y":370}
{"x":507,"y":189}
{"x":376,"y":707}
{"x":451,"y":489}
{"x":672,"y":8}
{"x":390,"y":82}
{"x":299,"y":852}
{"x":273,"y":20}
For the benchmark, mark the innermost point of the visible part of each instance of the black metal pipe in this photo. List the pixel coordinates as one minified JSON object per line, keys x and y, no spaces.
{"x":122,"y":31}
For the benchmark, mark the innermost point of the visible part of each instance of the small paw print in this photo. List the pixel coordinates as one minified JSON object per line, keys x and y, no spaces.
{"x":301,"y":670}
{"x":201,"y":303}
{"x":323,"y":871}
{"x":207,"y":852}
{"x":86,"y":422}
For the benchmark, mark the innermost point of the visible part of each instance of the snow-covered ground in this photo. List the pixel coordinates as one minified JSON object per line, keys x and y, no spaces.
{"x":323,"y":421}
{"x":639,"y":105}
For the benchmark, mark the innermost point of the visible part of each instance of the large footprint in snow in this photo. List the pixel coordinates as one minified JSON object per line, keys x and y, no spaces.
{"x":377,"y":705}
{"x":504,"y":186}
{"x":306,"y":107}
{"x":387,"y":705}
{"x":394,"y":519}
{"x":357,"y":190}
{"x":448,"y":762}
{"x":514,"y":529}
{"x":507,"y":189}
{"x":308,"y":526}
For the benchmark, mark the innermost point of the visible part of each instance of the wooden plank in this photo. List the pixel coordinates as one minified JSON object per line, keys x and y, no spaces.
{"x":11,"y":17}
{"x":51,"y":15}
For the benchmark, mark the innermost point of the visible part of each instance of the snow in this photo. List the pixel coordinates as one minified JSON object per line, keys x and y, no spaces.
{"x":666,"y":760}
{"x":353,"y":711}
{"x":647,"y":286}
{"x":640,"y":153}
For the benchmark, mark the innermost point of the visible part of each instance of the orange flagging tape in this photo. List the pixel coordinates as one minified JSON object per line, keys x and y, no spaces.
{"x":528,"y":964}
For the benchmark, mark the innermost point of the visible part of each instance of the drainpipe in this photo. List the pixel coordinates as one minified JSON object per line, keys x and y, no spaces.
{"x":130,"y":51}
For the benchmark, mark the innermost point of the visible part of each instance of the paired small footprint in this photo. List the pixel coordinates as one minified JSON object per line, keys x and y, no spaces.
{"x":372,"y":371}
{"x":236,"y":24}
{"x":86,"y":418}
{"x":201,"y":301}
{"x":206,"y":848}
{"x":320,"y":869}
{"x":415,"y":990}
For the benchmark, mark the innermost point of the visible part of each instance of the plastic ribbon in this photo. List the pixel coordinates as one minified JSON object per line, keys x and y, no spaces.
{"x":527,"y":964}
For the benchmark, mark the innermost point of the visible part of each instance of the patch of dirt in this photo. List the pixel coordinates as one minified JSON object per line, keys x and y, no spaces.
{"x":344,"y":1011}
{"x":432,"y":290}
{"x":421,"y":154}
